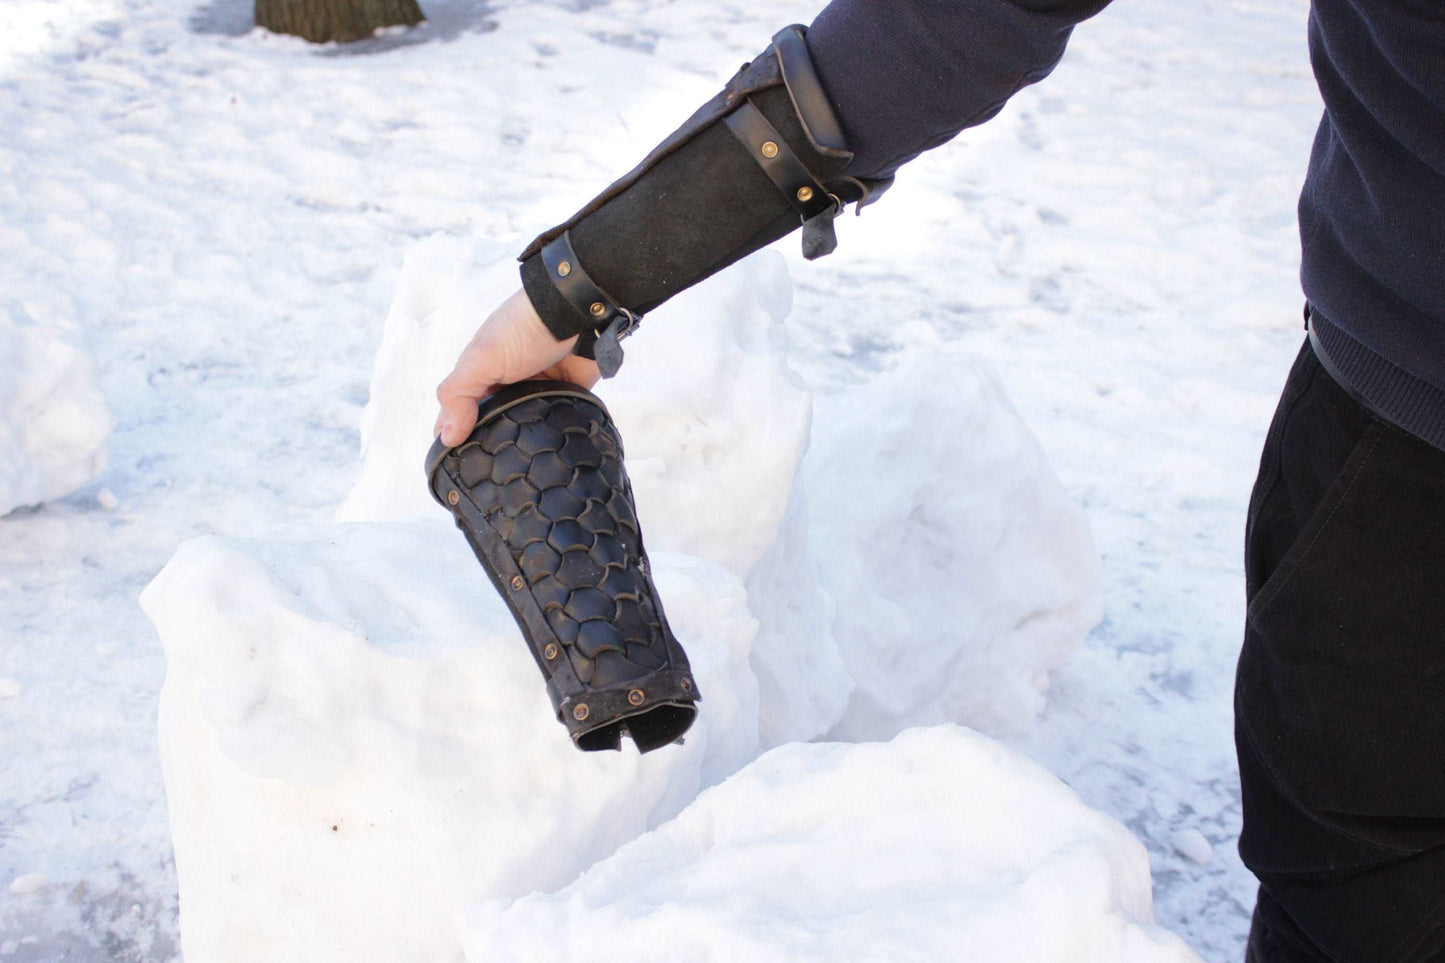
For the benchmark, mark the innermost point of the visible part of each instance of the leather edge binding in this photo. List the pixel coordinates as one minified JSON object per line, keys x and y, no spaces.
{"x":499,"y":401}
{"x":810,"y":100}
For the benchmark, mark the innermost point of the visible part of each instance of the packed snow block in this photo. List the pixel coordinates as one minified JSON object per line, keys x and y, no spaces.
{"x":440,"y":299}
{"x":356,"y":742}
{"x":964,"y":572}
{"x":939,"y":845}
{"x":804,"y":686}
{"x":53,"y":418}
{"x":716,"y":425}
{"x":713,"y":420}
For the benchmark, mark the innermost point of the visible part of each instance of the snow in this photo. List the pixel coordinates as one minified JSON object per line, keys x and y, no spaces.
{"x":27,"y":884}
{"x":967,"y":571}
{"x":907,"y":850}
{"x":53,"y":418}
{"x":433,"y":314}
{"x":354,"y":720}
{"x":1193,"y":846}
{"x":221,"y":218}
{"x":357,"y":677}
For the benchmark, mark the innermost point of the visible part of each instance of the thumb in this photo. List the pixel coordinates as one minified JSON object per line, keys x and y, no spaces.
{"x":475,"y":376}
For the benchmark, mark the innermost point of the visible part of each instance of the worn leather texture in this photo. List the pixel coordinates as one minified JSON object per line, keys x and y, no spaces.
{"x":701,"y":200}
{"x":540,"y":491}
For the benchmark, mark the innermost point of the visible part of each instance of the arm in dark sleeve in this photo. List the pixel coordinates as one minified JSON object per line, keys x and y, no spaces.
{"x":907,"y":75}
{"x":820,"y":119}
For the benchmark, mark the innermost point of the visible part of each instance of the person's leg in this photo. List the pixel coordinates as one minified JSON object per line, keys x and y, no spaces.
{"x":1340,"y":692}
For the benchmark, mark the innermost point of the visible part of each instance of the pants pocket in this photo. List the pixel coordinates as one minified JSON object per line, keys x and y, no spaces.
{"x":1341,"y":684}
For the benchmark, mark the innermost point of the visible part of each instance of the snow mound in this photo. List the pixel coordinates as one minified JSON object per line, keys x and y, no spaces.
{"x":356,"y":743}
{"x":967,"y":571}
{"x":939,"y":845}
{"x":437,"y":307}
{"x":53,"y":418}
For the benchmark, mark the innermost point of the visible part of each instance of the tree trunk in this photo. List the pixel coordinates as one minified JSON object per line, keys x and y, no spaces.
{"x":320,"y":21}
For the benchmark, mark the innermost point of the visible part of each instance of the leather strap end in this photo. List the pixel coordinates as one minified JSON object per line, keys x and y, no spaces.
{"x":819,"y":237}
{"x":607,"y":346}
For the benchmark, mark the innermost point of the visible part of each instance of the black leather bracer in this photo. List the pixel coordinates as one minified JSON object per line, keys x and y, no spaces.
{"x":540,"y":492}
{"x":763,"y":157}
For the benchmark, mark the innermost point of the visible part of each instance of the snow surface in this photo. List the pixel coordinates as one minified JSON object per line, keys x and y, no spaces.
{"x":357,"y":745}
{"x":53,"y":418}
{"x":369,"y":678}
{"x":223,"y":215}
{"x":963,"y":571}
{"x":938,"y":845}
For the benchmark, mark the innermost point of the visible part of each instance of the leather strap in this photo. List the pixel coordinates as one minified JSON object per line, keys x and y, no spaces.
{"x":611,"y":322}
{"x":806,"y":90}
{"x":574,"y":283}
{"x":782,"y":165}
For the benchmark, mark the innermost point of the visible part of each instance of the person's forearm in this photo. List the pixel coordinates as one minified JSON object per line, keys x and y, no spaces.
{"x":820,"y":119}
{"x":907,"y":75}
{"x":884,"y":81}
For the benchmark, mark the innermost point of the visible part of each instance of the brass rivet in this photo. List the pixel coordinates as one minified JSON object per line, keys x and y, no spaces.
{"x":453,"y":498}
{"x":686,"y":685}
{"x":805,"y":194}
{"x":550,"y":652}
{"x":579,"y":711}
{"x":598,"y":309}
{"x":517,"y":583}
{"x":564,"y":269}
{"x":770,"y":149}
{"x":636,"y":697}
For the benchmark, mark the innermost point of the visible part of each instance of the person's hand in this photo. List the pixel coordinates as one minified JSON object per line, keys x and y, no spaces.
{"x":511,"y":345}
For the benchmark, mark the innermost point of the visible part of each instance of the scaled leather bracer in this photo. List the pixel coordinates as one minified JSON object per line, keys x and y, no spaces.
{"x":540,"y":492}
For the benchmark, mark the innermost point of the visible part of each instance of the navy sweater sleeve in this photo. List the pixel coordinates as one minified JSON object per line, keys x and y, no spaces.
{"x":907,"y":75}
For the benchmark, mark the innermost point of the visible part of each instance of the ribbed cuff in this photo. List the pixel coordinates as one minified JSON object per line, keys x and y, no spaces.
{"x":1390,"y":392}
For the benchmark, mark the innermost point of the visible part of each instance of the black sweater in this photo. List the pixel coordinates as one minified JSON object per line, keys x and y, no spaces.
{"x":907,"y":75}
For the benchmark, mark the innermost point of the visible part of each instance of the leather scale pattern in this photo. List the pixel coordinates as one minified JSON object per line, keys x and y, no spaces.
{"x":540,"y":491}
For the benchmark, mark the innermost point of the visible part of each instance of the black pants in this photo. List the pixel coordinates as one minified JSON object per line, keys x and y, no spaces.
{"x":1340,"y":693}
